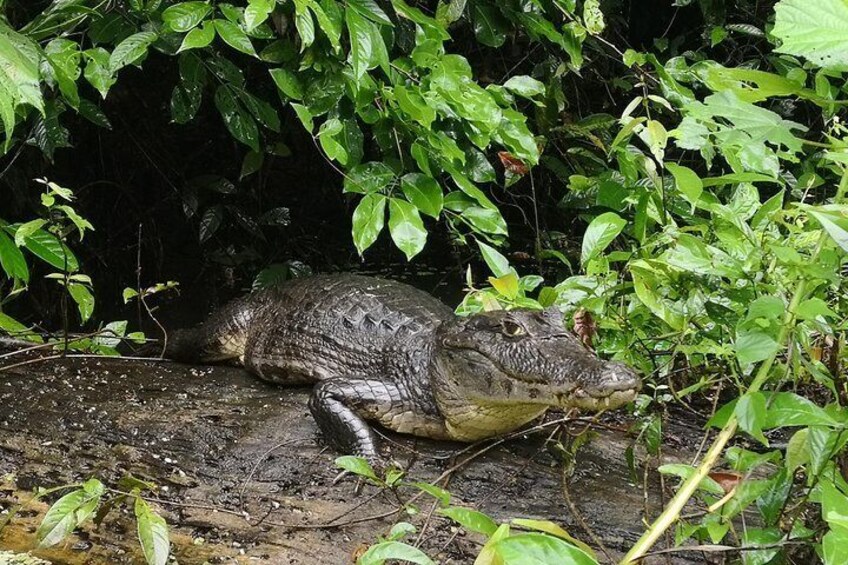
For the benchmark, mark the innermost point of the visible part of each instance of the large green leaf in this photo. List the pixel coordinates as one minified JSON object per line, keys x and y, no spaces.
{"x":184,"y":16}
{"x":815,"y":29}
{"x":11,"y":259}
{"x":368,"y":220}
{"x":152,"y":534}
{"x":359,"y":30}
{"x":600,"y":233}
{"x":539,"y":549}
{"x":51,"y":250}
{"x":424,"y":192}
{"x":234,"y":36}
{"x":379,"y":553}
{"x":238,"y":120}
{"x":19,"y":77}
{"x":472,"y":520}
{"x":130,"y":50}
{"x":84,"y":300}
{"x":406,"y":227}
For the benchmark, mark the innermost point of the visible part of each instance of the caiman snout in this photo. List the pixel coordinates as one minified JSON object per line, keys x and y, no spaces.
{"x":616,"y":385}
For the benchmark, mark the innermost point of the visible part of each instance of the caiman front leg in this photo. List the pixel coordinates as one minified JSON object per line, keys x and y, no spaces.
{"x":342,"y":406}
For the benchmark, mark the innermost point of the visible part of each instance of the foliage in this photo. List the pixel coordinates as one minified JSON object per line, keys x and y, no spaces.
{"x":535,"y":541}
{"x":93,"y":501}
{"x":45,"y":240}
{"x":711,"y":207}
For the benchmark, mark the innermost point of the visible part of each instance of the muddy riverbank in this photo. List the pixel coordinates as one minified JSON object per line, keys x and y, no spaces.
{"x":244,"y":477}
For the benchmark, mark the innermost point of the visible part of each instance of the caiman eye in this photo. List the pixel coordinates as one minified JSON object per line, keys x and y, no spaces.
{"x":512,"y":329}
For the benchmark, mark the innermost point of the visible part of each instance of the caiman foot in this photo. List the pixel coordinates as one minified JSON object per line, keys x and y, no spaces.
{"x":341,"y":405}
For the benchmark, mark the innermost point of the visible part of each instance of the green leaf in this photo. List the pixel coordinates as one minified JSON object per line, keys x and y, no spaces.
{"x":443,"y":496}
{"x":539,"y":549}
{"x":368,"y":178}
{"x":835,"y":547}
{"x":12,"y":260}
{"x":525,"y":86}
{"x":238,"y":120}
{"x":97,"y":70}
{"x":555,"y":530}
{"x":593,"y":17}
{"x":647,"y":286}
{"x":834,"y":505}
{"x":257,"y":12}
{"x":61,"y":518}
{"x":83,"y":298}
{"x":304,"y":24}
{"x":424,"y":192}
{"x":789,"y":409}
{"x":490,"y":27}
{"x":379,"y":553}
{"x":754,"y":345}
{"x":406,"y":228}
{"x":814,"y":29}
{"x":359,"y":30}
{"x":198,"y":38}
{"x":688,"y":182}
{"x":834,"y":223}
{"x":368,"y":220}
{"x":470,"y":519}
{"x":329,"y":18}
{"x":130,"y":50}
{"x":813,"y":308}
{"x":152,"y":534}
{"x":210,"y":222}
{"x":357,"y":466}
{"x":27,"y":229}
{"x":304,"y":115}
{"x":685,"y":471}
{"x":288,"y":83}
{"x":234,"y":36}
{"x":797,"y":452}
{"x":485,"y":220}
{"x":92,"y":112}
{"x":751,"y":413}
{"x":600,"y":233}
{"x":370,"y":10}
{"x":431,"y":27}
{"x":19,"y":76}
{"x":497,"y":263}
{"x":506,"y":286}
{"x":51,"y":250}
{"x":186,"y":15}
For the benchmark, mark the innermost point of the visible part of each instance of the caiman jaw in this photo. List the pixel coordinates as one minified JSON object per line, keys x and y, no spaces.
{"x":585,"y":401}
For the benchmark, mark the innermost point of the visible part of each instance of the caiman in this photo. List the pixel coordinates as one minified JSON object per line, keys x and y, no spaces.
{"x":382,"y":351}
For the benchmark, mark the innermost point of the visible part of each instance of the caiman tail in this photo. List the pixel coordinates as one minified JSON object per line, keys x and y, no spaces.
{"x":222,"y":337}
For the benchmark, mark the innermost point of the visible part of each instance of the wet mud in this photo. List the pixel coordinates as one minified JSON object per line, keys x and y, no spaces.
{"x":244,"y":477}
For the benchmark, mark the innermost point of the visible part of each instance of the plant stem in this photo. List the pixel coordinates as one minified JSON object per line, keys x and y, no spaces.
{"x":672,"y":511}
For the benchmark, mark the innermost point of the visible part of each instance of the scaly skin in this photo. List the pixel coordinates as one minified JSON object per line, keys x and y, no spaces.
{"x":385,"y":352}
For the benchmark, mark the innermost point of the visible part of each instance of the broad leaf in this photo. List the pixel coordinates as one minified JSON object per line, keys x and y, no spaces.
{"x":368,"y":220}
{"x":379,"y":553}
{"x":11,"y":259}
{"x":424,"y":192}
{"x":406,"y":228}
{"x":470,"y":519}
{"x":600,"y":233}
{"x":814,"y":29}
{"x":235,"y":37}
{"x":130,"y":50}
{"x":186,"y":15}
{"x":540,"y":549}
{"x":152,"y":534}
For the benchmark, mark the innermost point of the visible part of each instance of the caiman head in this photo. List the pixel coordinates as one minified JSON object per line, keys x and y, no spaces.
{"x":498,"y":370}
